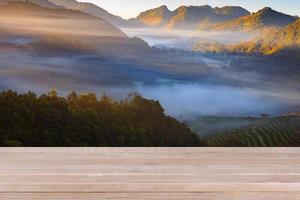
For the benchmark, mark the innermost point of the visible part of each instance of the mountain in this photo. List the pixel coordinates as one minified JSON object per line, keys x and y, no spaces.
{"x":155,"y":17}
{"x":42,"y":3}
{"x":66,"y":49}
{"x":91,"y":9}
{"x":273,"y":41}
{"x":264,"y":18}
{"x":193,"y":16}
{"x":189,"y":17}
{"x":286,"y":38}
{"x":64,"y":28}
{"x":25,"y":17}
{"x":283,"y":41}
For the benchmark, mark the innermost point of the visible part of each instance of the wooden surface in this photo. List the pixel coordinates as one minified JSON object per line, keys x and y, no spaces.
{"x":150,"y":173}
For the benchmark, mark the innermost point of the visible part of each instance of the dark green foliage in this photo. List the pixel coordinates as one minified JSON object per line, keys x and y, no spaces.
{"x":83,"y":120}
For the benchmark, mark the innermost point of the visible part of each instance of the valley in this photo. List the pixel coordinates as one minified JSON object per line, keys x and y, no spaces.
{"x":217,"y":69}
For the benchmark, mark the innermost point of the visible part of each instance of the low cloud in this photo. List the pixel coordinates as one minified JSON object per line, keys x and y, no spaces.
{"x":185,"y":39}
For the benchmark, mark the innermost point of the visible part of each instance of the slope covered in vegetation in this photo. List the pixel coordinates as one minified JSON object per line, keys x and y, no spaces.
{"x":275,"y":41}
{"x":281,"y":131}
{"x":271,"y":41}
{"x":207,"y":126}
{"x":264,"y":18}
{"x":50,"y":120}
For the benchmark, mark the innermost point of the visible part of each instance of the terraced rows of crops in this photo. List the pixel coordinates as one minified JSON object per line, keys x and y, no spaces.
{"x":269,"y":132}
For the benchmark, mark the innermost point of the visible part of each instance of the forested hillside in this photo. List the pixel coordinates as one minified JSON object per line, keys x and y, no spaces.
{"x":274,"y":41}
{"x":83,"y":120}
{"x":264,"y":18}
{"x":282,"y":41}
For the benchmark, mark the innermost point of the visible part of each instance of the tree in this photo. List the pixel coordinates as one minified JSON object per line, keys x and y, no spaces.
{"x":83,"y":120}
{"x":53,"y":93}
{"x":72,"y":97}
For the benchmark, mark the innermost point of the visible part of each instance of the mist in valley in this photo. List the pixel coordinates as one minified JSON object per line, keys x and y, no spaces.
{"x":183,"y":39}
{"x":184,"y":99}
{"x":189,"y":101}
{"x":187,"y":84}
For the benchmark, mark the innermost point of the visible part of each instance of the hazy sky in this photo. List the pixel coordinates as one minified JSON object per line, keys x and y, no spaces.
{"x":131,"y":8}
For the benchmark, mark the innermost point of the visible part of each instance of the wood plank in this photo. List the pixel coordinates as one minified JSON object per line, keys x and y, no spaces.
{"x":153,"y":196}
{"x":97,"y":179}
{"x":151,"y":187}
{"x":150,"y":173}
{"x":152,"y":170}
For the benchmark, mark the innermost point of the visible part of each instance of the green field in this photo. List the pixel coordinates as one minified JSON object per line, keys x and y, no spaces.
{"x":281,"y":131}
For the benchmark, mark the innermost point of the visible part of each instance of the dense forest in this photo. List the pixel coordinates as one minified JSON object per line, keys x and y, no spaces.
{"x":84,"y":120}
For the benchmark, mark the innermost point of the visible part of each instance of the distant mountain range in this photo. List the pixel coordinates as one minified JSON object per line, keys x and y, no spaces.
{"x":189,"y":17}
{"x":279,"y":31}
{"x":206,"y":18}
{"x":202,"y":18}
{"x":264,"y":18}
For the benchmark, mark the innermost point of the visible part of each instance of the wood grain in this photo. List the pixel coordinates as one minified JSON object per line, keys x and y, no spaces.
{"x":150,"y":173}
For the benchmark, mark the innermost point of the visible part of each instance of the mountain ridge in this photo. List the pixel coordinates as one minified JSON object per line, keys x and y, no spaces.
{"x":264,"y":18}
{"x":63,"y":29}
{"x":156,"y":16}
{"x":42,"y":3}
{"x":188,"y":17}
{"x":28,"y":8}
{"x":91,"y":9}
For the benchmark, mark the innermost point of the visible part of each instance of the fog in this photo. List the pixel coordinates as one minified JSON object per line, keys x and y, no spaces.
{"x":186,"y":84}
{"x":185,"y":39}
{"x":39,"y":23}
{"x":239,"y":94}
{"x":189,"y":100}
{"x":184,"y":100}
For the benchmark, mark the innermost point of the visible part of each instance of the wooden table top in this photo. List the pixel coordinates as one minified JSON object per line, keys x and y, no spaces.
{"x":150,"y":173}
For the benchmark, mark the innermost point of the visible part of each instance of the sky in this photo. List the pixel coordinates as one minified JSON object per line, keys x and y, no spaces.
{"x":131,"y":8}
